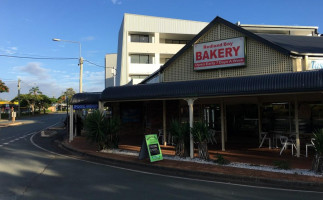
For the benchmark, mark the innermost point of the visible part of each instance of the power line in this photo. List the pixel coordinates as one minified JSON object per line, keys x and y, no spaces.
{"x":38,"y":58}
{"x":94,"y":64}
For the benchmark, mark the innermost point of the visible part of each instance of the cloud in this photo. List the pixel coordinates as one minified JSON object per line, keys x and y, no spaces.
{"x":88,"y":38}
{"x":9,"y":50}
{"x":116,"y":2}
{"x":35,"y":69}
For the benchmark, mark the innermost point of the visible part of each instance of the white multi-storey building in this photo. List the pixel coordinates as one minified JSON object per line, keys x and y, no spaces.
{"x":146,"y":42}
{"x":110,"y":69}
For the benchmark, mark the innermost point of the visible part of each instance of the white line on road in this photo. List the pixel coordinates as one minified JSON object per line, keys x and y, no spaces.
{"x":169,"y":176}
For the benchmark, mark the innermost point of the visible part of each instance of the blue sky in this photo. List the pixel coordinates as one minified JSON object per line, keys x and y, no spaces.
{"x":28,"y":26}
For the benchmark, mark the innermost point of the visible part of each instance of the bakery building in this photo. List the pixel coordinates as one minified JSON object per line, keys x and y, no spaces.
{"x":246,"y":82}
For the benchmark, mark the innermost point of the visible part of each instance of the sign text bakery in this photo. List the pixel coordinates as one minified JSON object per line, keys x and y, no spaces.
{"x":219,"y":54}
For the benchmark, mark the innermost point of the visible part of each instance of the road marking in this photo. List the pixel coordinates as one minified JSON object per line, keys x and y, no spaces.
{"x":169,"y":176}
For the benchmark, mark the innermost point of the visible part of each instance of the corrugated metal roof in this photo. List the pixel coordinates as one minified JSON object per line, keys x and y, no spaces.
{"x":300,"y":44}
{"x":85,"y":98}
{"x":306,"y":81}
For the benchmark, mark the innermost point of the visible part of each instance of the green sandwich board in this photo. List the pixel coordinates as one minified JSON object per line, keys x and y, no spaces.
{"x":150,"y":147}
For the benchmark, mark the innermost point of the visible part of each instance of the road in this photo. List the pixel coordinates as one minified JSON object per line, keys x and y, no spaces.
{"x":28,"y":170}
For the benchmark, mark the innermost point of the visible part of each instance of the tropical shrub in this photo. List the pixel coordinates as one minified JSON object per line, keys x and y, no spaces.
{"x":181,"y":134}
{"x":281,"y":164}
{"x":113,"y":127}
{"x":102,"y":130}
{"x":201,"y":135}
{"x":317,"y":164}
{"x":221,"y":160}
{"x":96,"y":126}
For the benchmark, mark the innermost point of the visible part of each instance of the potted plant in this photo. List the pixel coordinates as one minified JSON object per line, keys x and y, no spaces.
{"x":201,"y":135}
{"x":181,"y":133}
{"x":317,"y":165}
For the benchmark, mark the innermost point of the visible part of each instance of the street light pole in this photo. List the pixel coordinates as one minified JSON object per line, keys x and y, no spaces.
{"x":19,"y":97}
{"x":80,"y":60}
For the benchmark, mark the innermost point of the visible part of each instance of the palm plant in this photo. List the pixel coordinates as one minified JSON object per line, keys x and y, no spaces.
{"x":113,"y":127}
{"x":180,"y":132}
{"x":96,"y":126}
{"x":317,"y":165}
{"x":201,"y":135}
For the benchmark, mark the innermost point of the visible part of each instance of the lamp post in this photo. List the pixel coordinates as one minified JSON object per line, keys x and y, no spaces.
{"x":80,"y":59}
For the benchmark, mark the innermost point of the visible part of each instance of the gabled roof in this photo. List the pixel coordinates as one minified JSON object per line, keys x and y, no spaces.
{"x":297,"y":44}
{"x":286,"y":44}
{"x":294,"y":82}
{"x":219,"y":20}
{"x":85,"y":98}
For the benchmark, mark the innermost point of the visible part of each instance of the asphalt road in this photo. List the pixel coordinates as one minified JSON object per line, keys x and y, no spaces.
{"x":28,"y":170}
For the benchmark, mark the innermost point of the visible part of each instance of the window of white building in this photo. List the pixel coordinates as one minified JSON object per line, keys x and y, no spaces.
{"x":141,"y":59}
{"x":139,"y":38}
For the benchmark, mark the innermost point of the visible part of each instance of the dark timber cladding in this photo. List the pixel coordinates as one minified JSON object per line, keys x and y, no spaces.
{"x":307,"y":81}
{"x":85,"y":98}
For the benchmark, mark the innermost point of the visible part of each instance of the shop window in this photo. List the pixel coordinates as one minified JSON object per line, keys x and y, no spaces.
{"x":139,"y":38}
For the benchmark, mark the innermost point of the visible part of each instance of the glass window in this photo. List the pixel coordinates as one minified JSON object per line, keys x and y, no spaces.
{"x":144,"y":38}
{"x":134,"y":58}
{"x":139,"y":38}
{"x":140,"y":59}
{"x":134,"y":38}
{"x":144,"y":59}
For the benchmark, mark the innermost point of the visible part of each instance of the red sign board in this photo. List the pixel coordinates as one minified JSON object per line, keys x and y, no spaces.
{"x":220,"y":54}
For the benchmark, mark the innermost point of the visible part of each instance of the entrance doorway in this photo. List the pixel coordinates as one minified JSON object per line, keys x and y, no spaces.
{"x":242,"y":125}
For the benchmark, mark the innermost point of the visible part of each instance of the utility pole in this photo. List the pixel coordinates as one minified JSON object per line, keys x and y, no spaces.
{"x":19,"y":97}
{"x":81,"y":72}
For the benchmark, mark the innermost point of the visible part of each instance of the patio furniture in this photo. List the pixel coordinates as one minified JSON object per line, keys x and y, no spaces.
{"x":212,"y":136}
{"x":170,"y":139}
{"x":264,"y":136}
{"x":160,"y":134}
{"x":285,"y":141}
{"x":275,"y":135}
{"x":310,"y":145}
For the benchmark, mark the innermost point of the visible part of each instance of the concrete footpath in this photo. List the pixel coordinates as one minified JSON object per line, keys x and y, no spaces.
{"x":221,"y":173}
{"x":6,"y":123}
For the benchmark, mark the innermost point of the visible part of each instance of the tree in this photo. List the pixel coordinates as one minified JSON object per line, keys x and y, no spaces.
{"x":201,"y":135}
{"x":3,"y":87}
{"x":34,"y":97}
{"x":69,"y":94}
{"x":44,"y":102}
{"x":181,"y":133}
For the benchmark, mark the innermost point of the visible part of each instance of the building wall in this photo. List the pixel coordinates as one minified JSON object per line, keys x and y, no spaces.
{"x":261,"y":59}
{"x":158,"y":29}
{"x":110,"y":69}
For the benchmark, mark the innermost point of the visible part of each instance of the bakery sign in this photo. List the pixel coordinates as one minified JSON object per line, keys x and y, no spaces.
{"x":220,"y":54}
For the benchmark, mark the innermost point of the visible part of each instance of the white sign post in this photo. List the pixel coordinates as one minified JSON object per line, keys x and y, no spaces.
{"x":220,"y":54}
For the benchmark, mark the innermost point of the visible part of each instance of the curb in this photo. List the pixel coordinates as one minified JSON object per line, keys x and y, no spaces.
{"x":208,"y":176}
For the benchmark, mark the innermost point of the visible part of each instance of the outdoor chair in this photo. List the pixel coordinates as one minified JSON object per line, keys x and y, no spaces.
{"x":285,"y":141}
{"x":310,"y":145}
{"x":212,"y":136}
{"x":263,"y":137}
{"x":161,"y":134}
